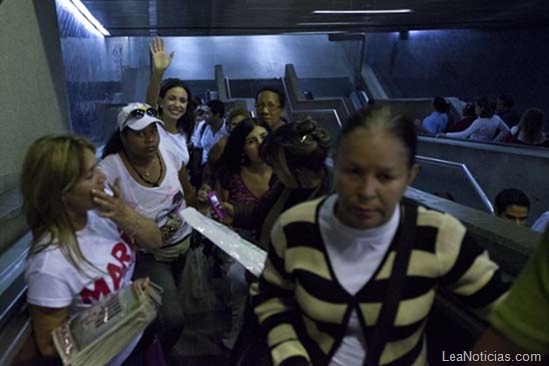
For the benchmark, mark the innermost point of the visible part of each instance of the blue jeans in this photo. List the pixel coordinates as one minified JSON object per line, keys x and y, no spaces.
{"x":169,"y":322}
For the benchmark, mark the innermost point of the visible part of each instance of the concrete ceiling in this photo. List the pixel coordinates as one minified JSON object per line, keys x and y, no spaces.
{"x":254,"y":17}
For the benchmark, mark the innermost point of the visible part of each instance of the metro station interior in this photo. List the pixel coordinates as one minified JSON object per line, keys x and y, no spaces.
{"x":62,"y":74}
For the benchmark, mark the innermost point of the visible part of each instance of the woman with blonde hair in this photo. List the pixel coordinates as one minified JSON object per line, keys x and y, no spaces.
{"x":83,"y":239}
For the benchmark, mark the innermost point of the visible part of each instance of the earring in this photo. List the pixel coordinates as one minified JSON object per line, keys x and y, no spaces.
{"x":242,"y":159}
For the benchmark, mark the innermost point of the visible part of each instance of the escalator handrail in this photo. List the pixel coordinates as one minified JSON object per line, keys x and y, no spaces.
{"x":468,"y":175}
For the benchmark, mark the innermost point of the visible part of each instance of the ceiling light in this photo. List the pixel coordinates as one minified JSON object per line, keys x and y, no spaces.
{"x":392,"y":11}
{"x":296,"y":33}
{"x":332,"y":23}
{"x":80,"y":11}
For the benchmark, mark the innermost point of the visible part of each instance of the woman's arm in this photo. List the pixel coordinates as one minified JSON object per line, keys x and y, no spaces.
{"x":222,"y":192}
{"x":273,"y":299}
{"x":161,"y":61}
{"x":521,"y":322}
{"x":188,"y":189}
{"x":209,"y":173}
{"x":503,"y":129}
{"x":43,"y":321}
{"x":141,"y":230}
{"x":475,"y":126}
{"x":468,"y":270}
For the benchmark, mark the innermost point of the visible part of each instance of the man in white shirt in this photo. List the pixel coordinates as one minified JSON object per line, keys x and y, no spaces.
{"x":208,"y":135}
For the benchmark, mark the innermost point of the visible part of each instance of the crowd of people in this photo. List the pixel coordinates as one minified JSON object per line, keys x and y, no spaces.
{"x":486,"y":120}
{"x":352,"y":266}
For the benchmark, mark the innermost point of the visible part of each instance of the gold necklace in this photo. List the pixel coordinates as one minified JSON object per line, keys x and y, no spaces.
{"x":148,"y":169}
{"x":153,"y":183}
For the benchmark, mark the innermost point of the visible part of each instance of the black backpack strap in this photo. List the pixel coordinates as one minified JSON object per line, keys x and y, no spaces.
{"x":405,"y":242}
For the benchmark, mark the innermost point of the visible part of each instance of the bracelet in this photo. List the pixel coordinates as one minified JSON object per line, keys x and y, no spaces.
{"x":133,"y":230}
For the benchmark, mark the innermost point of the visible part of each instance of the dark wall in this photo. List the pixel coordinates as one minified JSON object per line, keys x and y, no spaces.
{"x":464,"y":63}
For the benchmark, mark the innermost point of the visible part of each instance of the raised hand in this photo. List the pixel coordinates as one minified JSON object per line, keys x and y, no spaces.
{"x":160,"y":59}
{"x":111,"y":206}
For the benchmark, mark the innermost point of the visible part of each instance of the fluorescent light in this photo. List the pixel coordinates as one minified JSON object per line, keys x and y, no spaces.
{"x":393,"y":11}
{"x":315,"y":32}
{"x":80,"y":11}
{"x":332,"y":23}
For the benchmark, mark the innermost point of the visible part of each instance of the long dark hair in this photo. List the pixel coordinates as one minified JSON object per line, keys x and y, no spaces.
{"x":531,"y":125}
{"x":114,"y":145}
{"x":233,"y":157}
{"x":186,"y":122}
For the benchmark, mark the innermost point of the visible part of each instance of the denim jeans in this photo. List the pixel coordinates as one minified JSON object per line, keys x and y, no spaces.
{"x":169,"y":322}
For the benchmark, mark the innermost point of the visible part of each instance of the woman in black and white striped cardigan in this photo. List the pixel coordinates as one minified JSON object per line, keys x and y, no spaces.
{"x":350,"y":278}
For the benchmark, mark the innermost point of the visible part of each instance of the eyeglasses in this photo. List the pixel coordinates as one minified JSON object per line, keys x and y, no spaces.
{"x":269,"y":106}
{"x":140,"y":113}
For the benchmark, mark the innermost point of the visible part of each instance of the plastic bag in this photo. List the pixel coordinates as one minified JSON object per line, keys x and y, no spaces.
{"x":196,"y":288}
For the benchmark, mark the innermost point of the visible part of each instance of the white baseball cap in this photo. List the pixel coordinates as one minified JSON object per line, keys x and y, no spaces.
{"x":137,"y":116}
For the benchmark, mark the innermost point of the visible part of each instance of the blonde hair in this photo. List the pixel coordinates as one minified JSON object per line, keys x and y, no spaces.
{"x":52,"y":166}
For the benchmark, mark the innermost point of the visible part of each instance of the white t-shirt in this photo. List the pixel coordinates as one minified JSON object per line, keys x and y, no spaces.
{"x":483,"y":129}
{"x":164,"y":203}
{"x":54,"y":282}
{"x":197,"y":134}
{"x":177,"y":142}
{"x":355,"y":255}
{"x":209,"y":139}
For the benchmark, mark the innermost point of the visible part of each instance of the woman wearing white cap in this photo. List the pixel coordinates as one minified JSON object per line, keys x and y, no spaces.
{"x":149,"y":174}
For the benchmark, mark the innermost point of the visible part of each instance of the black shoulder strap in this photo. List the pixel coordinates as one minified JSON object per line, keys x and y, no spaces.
{"x":405,"y":241}
{"x":202,"y":129}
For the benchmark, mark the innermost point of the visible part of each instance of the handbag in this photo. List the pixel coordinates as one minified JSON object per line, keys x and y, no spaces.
{"x":94,"y":336}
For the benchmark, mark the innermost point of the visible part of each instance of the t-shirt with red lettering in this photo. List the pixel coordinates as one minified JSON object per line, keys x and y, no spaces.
{"x":55,"y":283}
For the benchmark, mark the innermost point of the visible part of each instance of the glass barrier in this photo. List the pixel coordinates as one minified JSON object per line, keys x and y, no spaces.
{"x":452,"y":181}
{"x":325,"y":118}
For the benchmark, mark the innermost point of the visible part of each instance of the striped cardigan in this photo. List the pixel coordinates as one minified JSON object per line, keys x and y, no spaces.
{"x":304,"y":310}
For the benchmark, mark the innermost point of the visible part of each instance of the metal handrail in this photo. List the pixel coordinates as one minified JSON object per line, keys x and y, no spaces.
{"x":468,"y":175}
{"x":15,"y":323}
{"x":228,"y":87}
{"x":312,"y":111}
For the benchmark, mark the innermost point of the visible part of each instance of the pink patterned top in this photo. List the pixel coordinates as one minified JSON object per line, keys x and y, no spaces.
{"x":238,"y":191}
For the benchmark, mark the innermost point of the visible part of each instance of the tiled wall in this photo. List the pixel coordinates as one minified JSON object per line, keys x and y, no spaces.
{"x":88,"y":75}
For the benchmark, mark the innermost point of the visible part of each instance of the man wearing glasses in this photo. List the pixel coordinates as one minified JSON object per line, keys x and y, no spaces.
{"x":269,"y":106}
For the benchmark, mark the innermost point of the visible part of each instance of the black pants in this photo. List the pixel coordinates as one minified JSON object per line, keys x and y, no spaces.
{"x":251,"y":347}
